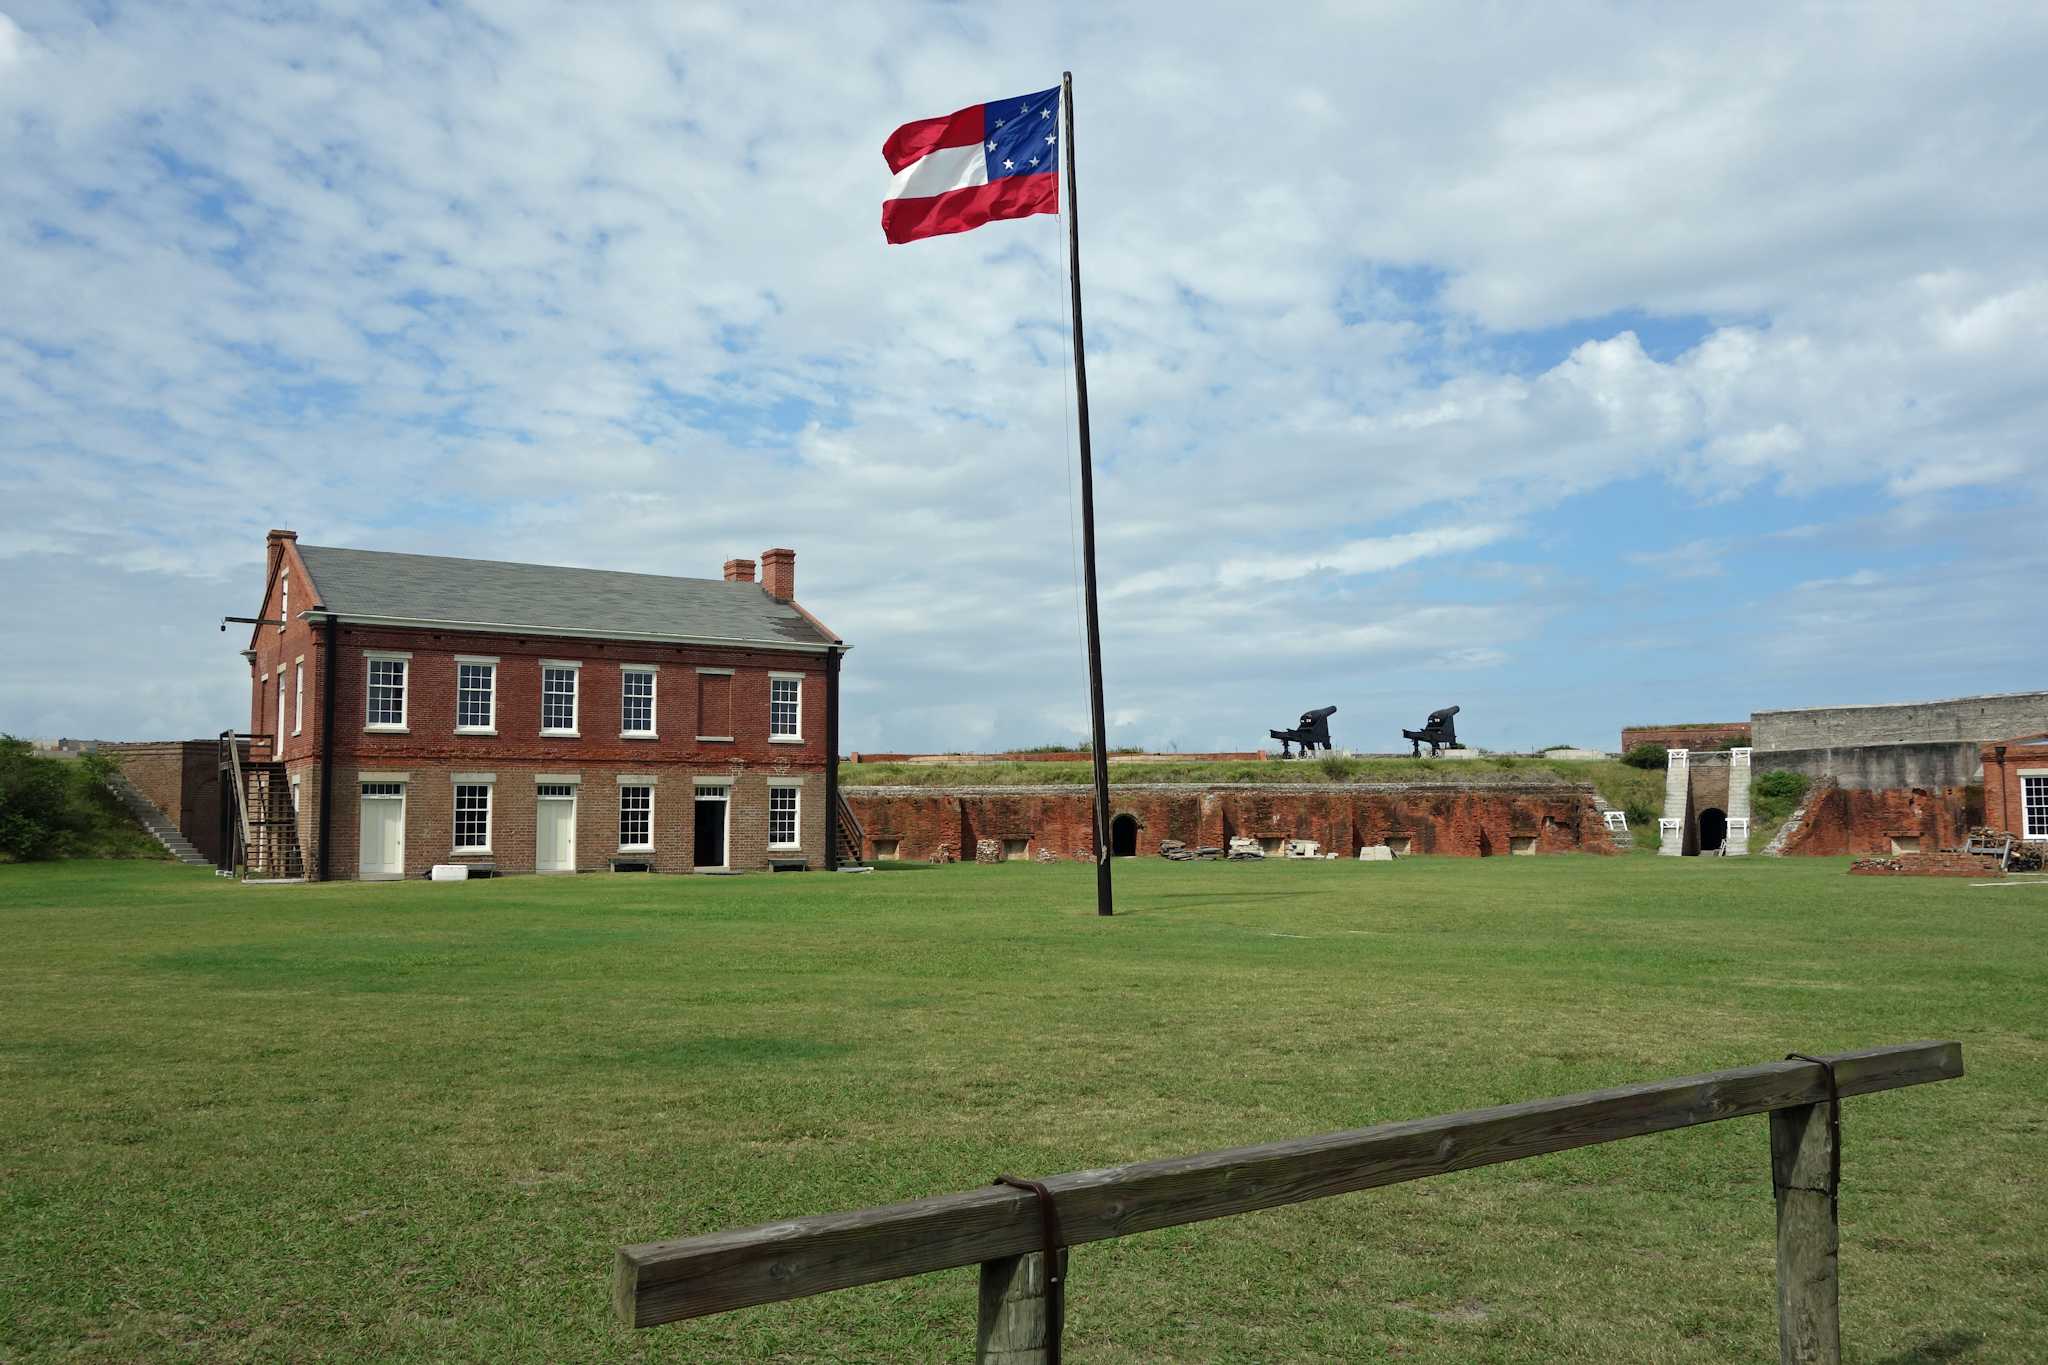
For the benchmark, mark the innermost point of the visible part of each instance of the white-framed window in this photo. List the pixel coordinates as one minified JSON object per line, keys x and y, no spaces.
{"x":284,"y":600}
{"x":384,"y":702}
{"x":783,"y":805}
{"x":476,"y":695}
{"x":554,"y":791}
{"x":785,"y":706}
{"x":558,"y":696}
{"x":636,"y":701}
{"x":384,"y":791}
{"x":472,"y":815}
{"x":299,"y":694}
{"x":636,"y":817}
{"x":2034,"y":805}
{"x":277,"y":745}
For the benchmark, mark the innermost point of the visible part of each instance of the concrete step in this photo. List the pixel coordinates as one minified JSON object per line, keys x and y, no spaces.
{"x":151,"y":817}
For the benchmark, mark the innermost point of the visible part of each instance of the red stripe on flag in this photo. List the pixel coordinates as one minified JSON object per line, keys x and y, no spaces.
{"x":1013,"y":196}
{"x":913,"y":140}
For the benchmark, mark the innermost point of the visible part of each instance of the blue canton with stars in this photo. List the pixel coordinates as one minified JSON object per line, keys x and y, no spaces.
{"x":1021,"y":134}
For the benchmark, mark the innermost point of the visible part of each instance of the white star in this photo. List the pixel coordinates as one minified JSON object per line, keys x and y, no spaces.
{"x":1024,"y":108}
{"x":991,"y":146}
{"x":1034,"y":161}
{"x":1048,"y":140}
{"x":1000,"y":122}
{"x":1009,"y":165}
{"x":1045,"y":113}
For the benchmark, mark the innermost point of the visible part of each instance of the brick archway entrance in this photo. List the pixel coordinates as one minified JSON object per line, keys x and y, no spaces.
{"x":1713,"y":829}
{"x":1123,"y":837}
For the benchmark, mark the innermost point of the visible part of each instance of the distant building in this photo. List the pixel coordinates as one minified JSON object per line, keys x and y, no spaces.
{"x":411,"y":710}
{"x":1727,"y":734}
{"x":2016,"y":787}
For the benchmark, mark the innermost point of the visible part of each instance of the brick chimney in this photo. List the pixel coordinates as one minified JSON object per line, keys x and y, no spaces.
{"x":778,"y":573}
{"x":273,"y":547}
{"x":739,"y":570}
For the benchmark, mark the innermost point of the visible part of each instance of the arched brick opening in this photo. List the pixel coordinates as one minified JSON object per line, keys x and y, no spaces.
{"x":1713,"y":829}
{"x":1123,"y":836}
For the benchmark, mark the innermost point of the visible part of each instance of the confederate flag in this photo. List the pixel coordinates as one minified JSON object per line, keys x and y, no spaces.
{"x":989,"y":161}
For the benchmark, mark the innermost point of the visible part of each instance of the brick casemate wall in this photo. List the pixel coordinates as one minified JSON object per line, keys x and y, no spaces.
{"x":1685,"y":736}
{"x":931,"y":824}
{"x":1842,"y":821}
{"x":181,"y":777}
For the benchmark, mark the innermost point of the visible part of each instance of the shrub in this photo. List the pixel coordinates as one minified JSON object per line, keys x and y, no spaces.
{"x":61,"y":808}
{"x":1335,"y":768}
{"x":1773,"y":796}
{"x":35,"y":801}
{"x":1647,"y":756}
{"x":1641,"y":813}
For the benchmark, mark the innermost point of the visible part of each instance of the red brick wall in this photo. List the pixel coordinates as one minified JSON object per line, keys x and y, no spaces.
{"x":1058,"y":756}
{"x":1843,"y":821}
{"x":2002,"y":807}
{"x":430,"y":815}
{"x":1685,"y":736}
{"x":1461,"y":821}
{"x":182,"y":778}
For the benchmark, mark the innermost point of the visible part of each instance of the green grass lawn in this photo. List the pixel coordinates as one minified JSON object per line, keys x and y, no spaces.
{"x":415,"y":1121}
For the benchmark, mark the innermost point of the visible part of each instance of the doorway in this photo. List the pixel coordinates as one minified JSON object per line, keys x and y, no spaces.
{"x":381,"y":851}
{"x":1123,"y":837}
{"x":1713,"y":829}
{"x":554,"y":827}
{"x":710,"y":843}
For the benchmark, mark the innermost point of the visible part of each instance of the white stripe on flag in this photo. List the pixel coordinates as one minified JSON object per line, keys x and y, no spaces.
{"x":948,"y":168}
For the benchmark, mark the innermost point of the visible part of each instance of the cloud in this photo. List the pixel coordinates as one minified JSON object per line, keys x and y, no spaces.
{"x":1693,"y":559}
{"x":607,"y":288}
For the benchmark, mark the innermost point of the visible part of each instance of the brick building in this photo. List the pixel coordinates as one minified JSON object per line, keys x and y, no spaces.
{"x":2016,"y":787}
{"x":408,"y":710}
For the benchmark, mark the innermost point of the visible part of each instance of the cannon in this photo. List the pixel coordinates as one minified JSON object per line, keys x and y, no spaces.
{"x":1310,"y":732}
{"x":1437,"y":732}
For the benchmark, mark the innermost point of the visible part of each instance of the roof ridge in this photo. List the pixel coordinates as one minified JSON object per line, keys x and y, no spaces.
{"x":524,"y":564}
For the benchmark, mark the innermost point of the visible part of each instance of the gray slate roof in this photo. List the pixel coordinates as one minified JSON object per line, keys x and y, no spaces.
{"x":543,"y":598}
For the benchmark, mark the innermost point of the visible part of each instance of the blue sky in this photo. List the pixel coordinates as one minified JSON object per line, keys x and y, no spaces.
{"x":1580,"y":367}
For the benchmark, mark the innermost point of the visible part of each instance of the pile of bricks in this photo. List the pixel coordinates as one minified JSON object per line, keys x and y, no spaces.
{"x":1927,"y":865}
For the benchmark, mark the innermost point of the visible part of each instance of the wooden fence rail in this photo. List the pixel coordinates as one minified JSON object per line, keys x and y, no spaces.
{"x":999,"y":1227}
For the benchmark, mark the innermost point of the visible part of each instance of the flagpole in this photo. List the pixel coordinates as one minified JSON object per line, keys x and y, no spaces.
{"x":1099,"y":743}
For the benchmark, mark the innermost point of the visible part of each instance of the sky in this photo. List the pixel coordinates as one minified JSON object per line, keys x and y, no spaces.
{"x":1578,"y":365}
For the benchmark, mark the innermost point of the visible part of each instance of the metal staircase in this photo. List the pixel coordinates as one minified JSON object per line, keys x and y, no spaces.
{"x":151,"y":817}
{"x":852,"y":840}
{"x":265,"y":830}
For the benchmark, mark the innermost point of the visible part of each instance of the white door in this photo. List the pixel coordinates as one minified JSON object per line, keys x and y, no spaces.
{"x":382,"y":856}
{"x":554,"y":829}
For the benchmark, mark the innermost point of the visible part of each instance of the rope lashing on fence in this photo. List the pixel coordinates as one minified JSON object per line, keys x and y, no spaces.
{"x":1834,"y":1132}
{"x":1055,"y":1281}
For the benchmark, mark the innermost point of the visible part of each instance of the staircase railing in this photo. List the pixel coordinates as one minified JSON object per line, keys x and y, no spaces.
{"x":850,"y":833}
{"x":231,"y":759}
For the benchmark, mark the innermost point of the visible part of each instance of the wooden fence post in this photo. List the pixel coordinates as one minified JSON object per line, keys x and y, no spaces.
{"x":1017,"y":1324}
{"x":1809,"y":1293}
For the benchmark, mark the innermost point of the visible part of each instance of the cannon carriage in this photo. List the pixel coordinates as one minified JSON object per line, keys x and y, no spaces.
{"x":1439,"y":732}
